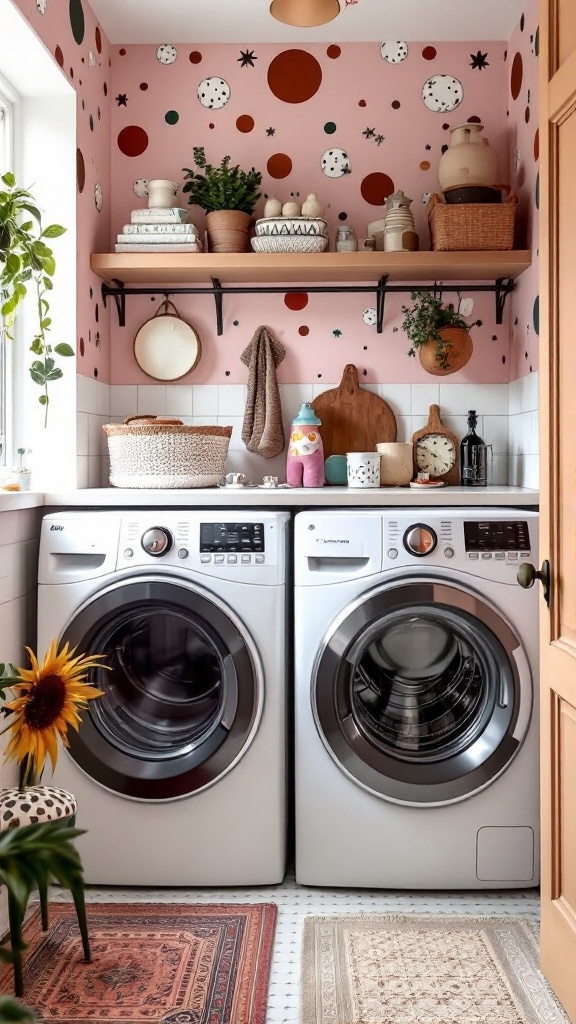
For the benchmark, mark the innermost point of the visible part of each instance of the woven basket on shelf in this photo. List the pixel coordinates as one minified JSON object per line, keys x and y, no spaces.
{"x":471,"y":226}
{"x":150,"y":451}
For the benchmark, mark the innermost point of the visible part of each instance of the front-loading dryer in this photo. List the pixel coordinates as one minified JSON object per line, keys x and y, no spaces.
{"x":179,"y":769}
{"x":416,"y":731}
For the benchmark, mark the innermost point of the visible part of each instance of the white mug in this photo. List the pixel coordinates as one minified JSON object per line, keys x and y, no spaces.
{"x":363,"y":469}
{"x":235,"y":478}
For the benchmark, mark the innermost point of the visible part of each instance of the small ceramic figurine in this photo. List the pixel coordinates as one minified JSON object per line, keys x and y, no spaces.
{"x":272,"y":207}
{"x":399,"y":233}
{"x":345,"y":239}
{"x":305,"y":460}
{"x":312,"y":207}
{"x":291,"y":209}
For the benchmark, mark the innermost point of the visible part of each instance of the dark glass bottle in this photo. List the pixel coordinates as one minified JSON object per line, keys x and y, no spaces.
{"x":473,"y":456}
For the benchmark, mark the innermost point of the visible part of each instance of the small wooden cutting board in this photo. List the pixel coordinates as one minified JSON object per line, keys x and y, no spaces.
{"x":353,"y":419}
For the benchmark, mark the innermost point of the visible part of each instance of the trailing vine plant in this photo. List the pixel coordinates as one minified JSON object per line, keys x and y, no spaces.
{"x":424,"y":320}
{"x":27,"y":261}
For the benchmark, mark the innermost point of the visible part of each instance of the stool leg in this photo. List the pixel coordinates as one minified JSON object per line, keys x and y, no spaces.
{"x":78,"y":897}
{"x":15,"y":921}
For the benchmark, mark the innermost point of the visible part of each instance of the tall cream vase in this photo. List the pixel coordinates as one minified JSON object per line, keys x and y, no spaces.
{"x":228,"y":230}
{"x":468,"y":159}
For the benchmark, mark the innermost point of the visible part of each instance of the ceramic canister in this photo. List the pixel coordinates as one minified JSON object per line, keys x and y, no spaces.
{"x":363,"y":469}
{"x":396,"y":463}
{"x":162,"y":192}
{"x":468,"y":159}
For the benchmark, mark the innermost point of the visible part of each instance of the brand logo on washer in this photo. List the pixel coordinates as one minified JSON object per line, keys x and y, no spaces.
{"x":332,"y":540}
{"x":54,"y":527}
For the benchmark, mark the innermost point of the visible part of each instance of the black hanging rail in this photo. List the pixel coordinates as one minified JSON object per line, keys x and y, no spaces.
{"x":501,"y":288}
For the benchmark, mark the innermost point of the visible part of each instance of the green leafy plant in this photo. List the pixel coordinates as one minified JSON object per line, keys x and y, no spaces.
{"x":27,"y":261}
{"x":424,"y":320}
{"x":13,"y":1012}
{"x":222,"y":187}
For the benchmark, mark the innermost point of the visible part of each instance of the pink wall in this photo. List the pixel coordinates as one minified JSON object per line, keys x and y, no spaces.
{"x":72,"y":35}
{"x":522,"y":64}
{"x":345,"y":91}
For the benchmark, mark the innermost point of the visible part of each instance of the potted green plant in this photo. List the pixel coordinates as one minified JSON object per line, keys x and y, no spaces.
{"x":26,"y":261}
{"x":437,"y":332}
{"x":228,"y":195}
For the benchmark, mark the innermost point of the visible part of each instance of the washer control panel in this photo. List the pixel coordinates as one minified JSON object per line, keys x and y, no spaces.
{"x":231,"y":540}
{"x":157,"y":541}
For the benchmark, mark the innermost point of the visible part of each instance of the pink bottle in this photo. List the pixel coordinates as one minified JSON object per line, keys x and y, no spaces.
{"x":305,"y":459}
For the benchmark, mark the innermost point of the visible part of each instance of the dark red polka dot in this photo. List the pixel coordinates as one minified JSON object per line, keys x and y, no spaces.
{"x":429,"y":52}
{"x":445,"y":126}
{"x":132,"y":140}
{"x":143,"y":86}
{"x":474,"y":119}
{"x":122,"y":52}
{"x":296,"y":300}
{"x":362,"y":103}
{"x":395,"y":104}
{"x":81,"y":346}
{"x":195,"y":57}
{"x":59,"y":56}
{"x":303,"y":330}
{"x":245,"y":123}
{"x":516,"y":76}
{"x":80,"y":171}
{"x":294,"y":76}
{"x":527,"y":114}
{"x":333,"y":52}
{"x":537,"y":144}
{"x":105,"y":87}
{"x":98,"y":39}
{"x":279,"y":165}
{"x":376,"y":187}
{"x":211,"y":125}
{"x":71,"y":72}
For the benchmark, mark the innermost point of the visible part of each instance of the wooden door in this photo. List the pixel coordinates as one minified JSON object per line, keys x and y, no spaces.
{"x":558,"y":502}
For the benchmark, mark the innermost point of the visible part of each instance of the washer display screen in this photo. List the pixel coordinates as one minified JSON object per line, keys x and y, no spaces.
{"x":502,"y":536}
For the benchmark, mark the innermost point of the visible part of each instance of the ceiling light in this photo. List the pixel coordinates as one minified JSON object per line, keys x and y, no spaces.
{"x":304,"y":13}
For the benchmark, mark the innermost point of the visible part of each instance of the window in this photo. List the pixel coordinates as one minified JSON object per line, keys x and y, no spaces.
{"x":6,"y":164}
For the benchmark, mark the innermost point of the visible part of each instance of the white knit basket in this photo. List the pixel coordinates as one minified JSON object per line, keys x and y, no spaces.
{"x":152,"y":452}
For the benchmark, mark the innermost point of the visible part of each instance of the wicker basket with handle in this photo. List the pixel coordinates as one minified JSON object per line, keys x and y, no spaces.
{"x":159,"y":451}
{"x":471,"y":226}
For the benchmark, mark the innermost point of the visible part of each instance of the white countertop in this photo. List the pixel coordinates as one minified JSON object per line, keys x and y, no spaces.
{"x":286,"y":497}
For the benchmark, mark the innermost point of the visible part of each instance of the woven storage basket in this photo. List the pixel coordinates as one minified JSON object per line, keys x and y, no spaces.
{"x":150,"y":451}
{"x":471,"y":226}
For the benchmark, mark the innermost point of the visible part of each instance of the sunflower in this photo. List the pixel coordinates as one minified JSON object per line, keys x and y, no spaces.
{"x":49,"y":698}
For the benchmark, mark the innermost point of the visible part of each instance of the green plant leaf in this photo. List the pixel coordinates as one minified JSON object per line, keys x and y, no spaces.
{"x":64,"y":349}
{"x":53,"y":231}
{"x":43,"y":399}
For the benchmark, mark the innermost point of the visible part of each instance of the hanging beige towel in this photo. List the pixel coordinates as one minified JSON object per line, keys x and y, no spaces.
{"x":262,"y":430}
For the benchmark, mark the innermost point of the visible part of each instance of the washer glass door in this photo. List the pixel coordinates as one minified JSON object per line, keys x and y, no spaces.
{"x":182,"y":693}
{"x":422,"y":692}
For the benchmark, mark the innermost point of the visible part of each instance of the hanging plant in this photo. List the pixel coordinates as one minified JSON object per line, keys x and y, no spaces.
{"x":437,"y":332}
{"x":27,"y":261}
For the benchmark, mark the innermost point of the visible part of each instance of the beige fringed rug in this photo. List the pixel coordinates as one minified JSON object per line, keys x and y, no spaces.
{"x":424,"y":969}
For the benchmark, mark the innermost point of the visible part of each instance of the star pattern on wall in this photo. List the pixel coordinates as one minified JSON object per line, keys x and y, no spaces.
{"x":337,"y":333}
{"x":246,"y":58}
{"x":479,"y":61}
{"x":369,"y":133}
{"x":379,"y":139}
{"x":270,"y":131}
{"x":122,"y":99}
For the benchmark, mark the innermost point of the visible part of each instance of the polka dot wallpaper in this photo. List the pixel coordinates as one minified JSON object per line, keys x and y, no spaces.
{"x":350,"y":122}
{"x":71,"y":33}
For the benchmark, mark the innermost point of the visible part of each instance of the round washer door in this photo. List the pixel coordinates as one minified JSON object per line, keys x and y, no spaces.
{"x":183,"y":690}
{"x":422,"y":692}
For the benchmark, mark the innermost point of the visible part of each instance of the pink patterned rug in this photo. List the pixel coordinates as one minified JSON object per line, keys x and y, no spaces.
{"x":151,"y":964}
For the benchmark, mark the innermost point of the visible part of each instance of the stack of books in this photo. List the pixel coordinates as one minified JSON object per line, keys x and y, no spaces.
{"x":159,"y":229}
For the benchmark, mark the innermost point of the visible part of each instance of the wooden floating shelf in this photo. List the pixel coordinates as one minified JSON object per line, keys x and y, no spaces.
{"x":166,"y":268}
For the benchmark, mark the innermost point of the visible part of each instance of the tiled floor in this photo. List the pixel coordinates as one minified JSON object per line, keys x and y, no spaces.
{"x":295,"y":902}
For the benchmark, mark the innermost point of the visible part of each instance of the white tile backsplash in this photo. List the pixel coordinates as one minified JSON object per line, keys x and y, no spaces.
{"x":205,"y":400}
{"x":123,"y":400}
{"x":422,"y":397}
{"x":231,"y":399}
{"x":179,"y":400}
{"x":152,"y":399}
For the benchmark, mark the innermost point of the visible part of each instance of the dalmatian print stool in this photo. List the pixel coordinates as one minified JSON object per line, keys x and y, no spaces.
{"x":39,"y":805}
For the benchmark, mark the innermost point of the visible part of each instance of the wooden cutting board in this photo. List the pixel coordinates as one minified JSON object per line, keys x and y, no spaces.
{"x":353,"y":419}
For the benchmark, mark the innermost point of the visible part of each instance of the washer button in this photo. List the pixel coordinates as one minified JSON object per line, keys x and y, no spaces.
{"x":206,"y":558}
{"x":486,"y":554}
{"x":392,"y":553}
{"x":218,"y":559}
{"x":232,"y":559}
{"x":259,"y":559}
{"x":128,"y":553}
{"x":182,"y":552}
{"x":512,"y":555}
{"x":473,"y":554}
{"x":500,"y":556}
{"x":246,"y":559}
{"x":449,"y":552}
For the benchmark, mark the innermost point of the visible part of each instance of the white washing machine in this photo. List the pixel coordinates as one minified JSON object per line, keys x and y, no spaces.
{"x":180,"y":768}
{"x":416,"y":734}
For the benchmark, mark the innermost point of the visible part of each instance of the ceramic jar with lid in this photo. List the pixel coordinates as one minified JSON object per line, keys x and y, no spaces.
{"x":161,"y":192}
{"x":399,"y":233}
{"x":468,"y":159}
{"x":345,"y":239}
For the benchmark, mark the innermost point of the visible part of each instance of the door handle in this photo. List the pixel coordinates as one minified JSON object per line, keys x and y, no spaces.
{"x":528,"y":574}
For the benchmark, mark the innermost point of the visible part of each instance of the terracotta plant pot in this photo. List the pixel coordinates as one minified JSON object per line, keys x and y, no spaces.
{"x":228,"y":230}
{"x":457,"y":354}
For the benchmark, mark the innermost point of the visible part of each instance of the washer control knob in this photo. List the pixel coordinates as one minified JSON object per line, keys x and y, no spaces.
{"x":157,"y":541}
{"x":183,"y":552}
{"x":392,"y":553}
{"x":420,"y":540}
{"x":449,"y":552}
{"x":128,"y":553}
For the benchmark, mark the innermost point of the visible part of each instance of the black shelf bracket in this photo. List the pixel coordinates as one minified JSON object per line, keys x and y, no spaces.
{"x":501,"y":289}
